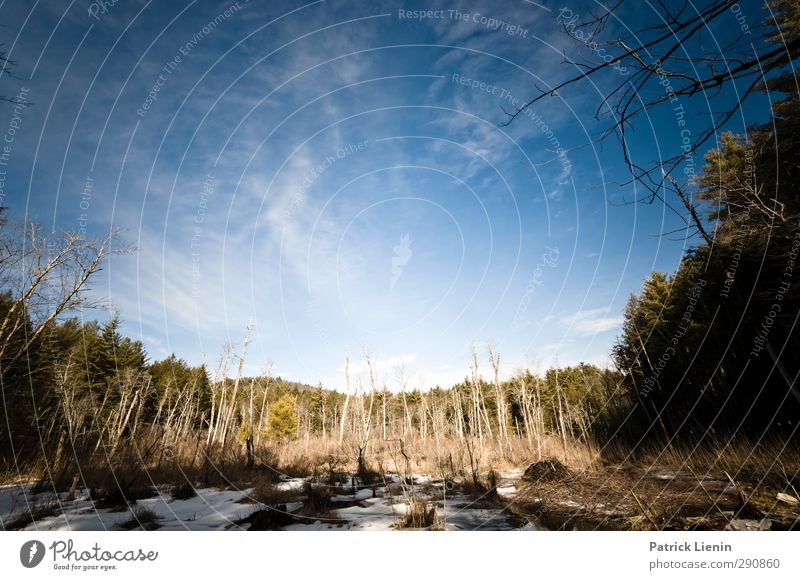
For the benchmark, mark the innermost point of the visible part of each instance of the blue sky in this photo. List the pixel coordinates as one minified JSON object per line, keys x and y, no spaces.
{"x":337,"y":172}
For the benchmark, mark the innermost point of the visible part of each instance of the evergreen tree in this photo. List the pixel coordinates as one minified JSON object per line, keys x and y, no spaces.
{"x":714,"y":347}
{"x":109,"y":353}
{"x":282,"y":419}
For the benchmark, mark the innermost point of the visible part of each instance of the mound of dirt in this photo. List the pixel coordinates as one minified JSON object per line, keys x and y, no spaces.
{"x":268,"y":519}
{"x":547,"y":470}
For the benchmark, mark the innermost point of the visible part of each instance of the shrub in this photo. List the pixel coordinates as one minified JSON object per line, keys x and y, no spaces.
{"x":282,"y":418}
{"x":141,"y":518}
{"x":183,"y":491}
{"x":419,"y":515}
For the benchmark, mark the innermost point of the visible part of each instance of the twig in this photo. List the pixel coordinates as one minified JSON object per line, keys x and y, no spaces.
{"x":743,"y":497}
{"x":708,"y":495}
{"x":644,"y":511}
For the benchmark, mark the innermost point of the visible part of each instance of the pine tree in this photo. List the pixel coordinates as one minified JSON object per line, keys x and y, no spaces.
{"x":282,"y":418}
{"x":108,"y":353}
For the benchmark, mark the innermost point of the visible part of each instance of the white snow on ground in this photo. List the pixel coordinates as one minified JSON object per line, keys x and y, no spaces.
{"x":511,"y":474}
{"x":373,"y":514}
{"x":506,"y":490}
{"x":213,"y":509}
{"x":19,"y":500}
{"x":506,"y":485}
{"x":295,"y":484}
{"x":13,"y":500}
{"x":383,"y":513}
{"x":293,"y":506}
{"x":460,"y":518}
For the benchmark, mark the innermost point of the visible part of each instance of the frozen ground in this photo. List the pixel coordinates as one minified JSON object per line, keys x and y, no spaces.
{"x":211,"y":509}
{"x":351,"y":507}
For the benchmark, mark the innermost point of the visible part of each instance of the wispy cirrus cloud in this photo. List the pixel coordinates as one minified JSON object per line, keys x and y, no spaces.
{"x":592,"y":321}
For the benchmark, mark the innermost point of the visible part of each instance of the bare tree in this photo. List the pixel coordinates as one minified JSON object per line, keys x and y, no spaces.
{"x":346,"y":397}
{"x":262,"y":413}
{"x":228,"y":420}
{"x":45,"y":276}
{"x":402,"y":379}
{"x":669,"y":60}
{"x":7,"y":69}
{"x":502,"y":412}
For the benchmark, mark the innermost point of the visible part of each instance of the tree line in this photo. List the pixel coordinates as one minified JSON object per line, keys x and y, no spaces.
{"x":82,"y":388}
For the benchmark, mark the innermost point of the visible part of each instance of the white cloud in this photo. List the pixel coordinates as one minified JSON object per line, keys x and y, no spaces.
{"x":592,"y":321}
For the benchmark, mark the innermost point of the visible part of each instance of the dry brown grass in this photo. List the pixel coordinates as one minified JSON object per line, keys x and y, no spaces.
{"x":146,"y":462}
{"x":141,"y":518}
{"x":446,"y":457}
{"x":183,"y":491}
{"x":267,"y":493}
{"x":420,"y":515}
{"x":768,"y":462}
{"x":317,"y":500}
{"x":681,"y":487}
